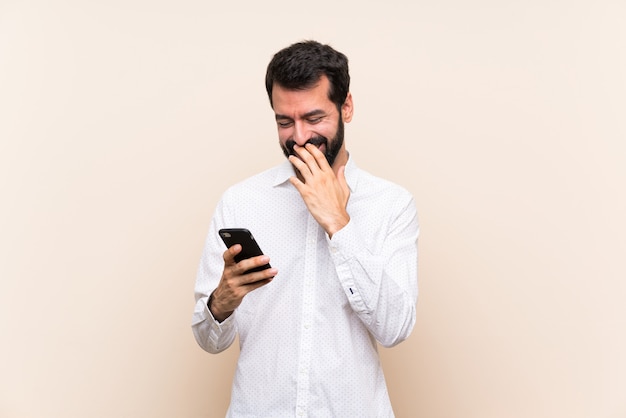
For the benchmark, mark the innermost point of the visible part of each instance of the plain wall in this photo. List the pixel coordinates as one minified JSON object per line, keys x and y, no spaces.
{"x":122,"y":122}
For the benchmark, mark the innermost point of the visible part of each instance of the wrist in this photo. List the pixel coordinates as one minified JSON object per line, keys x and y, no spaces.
{"x":217,"y":314}
{"x":337,"y":226}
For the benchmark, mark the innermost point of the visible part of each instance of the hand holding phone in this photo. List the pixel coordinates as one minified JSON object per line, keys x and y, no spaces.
{"x":249,"y":246}
{"x":234,"y":285}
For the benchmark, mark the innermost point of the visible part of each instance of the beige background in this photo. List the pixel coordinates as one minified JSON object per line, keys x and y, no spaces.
{"x":121,"y":123}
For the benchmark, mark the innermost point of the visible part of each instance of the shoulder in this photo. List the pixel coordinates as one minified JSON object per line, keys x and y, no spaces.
{"x":379,"y":206}
{"x":252,"y":187}
{"x":371,"y":184}
{"x":377,"y":198}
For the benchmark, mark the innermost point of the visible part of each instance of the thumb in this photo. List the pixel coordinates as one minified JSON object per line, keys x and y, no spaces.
{"x":341,"y":177}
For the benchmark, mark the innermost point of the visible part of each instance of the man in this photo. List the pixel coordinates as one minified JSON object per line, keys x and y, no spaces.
{"x":343,"y":247}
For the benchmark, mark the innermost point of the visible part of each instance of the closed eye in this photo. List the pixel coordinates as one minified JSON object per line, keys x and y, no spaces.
{"x":285,"y":124}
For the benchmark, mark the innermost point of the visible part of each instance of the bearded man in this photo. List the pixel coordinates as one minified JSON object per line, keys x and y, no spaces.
{"x":343,"y":248}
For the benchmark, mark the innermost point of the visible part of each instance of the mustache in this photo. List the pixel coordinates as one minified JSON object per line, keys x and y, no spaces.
{"x":316,"y":140}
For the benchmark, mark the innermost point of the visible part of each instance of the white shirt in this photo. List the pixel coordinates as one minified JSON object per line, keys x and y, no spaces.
{"x":308,"y":338}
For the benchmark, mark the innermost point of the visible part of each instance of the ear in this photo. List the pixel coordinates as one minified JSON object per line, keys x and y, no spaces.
{"x":347,"y":108}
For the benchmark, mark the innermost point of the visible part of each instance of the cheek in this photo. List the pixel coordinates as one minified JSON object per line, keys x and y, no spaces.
{"x":328,"y":131}
{"x":282,"y":138}
{"x":325,"y":129}
{"x":284,"y":134}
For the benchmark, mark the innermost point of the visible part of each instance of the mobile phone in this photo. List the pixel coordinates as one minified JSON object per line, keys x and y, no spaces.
{"x":249,"y":246}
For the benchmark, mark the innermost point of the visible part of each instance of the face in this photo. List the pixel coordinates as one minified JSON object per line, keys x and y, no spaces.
{"x":309,"y":116}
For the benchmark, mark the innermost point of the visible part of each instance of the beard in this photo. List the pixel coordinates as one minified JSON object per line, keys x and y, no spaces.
{"x":332,"y":147}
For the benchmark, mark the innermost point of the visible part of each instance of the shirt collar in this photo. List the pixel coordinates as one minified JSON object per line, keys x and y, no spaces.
{"x":286,"y":170}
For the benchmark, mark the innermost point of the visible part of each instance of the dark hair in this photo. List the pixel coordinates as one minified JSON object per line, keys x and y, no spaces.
{"x":301,"y":65}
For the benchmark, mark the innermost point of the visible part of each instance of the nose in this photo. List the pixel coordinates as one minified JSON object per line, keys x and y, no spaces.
{"x":300,"y":133}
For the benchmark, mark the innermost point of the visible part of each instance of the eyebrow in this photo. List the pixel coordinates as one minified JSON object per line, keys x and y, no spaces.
{"x":316,"y":112}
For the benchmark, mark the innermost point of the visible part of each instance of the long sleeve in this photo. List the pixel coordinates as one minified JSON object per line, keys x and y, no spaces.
{"x":378,"y":272}
{"x":210,"y":334}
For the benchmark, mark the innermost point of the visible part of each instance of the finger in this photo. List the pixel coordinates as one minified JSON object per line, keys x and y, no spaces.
{"x":230,"y":253}
{"x":258,"y":276}
{"x":299,"y":164}
{"x":319,"y":156}
{"x":252,"y":262}
{"x":259,"y":263}
{"x":297,"y":183}
{"x":307,"y":157}
{"x":341,"y":177}
{"x":252,"y":286}
{"x":303,"y":170}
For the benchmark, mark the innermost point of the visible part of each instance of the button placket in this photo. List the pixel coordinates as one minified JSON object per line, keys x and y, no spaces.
{"x":306,"y":330}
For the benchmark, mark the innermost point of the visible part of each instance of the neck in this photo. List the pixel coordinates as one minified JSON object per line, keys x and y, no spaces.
{"x":341,"y":160}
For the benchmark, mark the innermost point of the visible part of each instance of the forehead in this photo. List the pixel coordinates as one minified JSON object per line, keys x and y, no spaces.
{"x":287,"y":101}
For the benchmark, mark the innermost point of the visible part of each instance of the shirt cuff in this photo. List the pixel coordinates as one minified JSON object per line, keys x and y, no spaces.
{"x":345,"y":244}
{"x":344,"y":247}
{"x":216,"y":325}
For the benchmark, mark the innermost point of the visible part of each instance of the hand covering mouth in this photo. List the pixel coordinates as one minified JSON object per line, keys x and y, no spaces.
{"x":318,"y":141}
